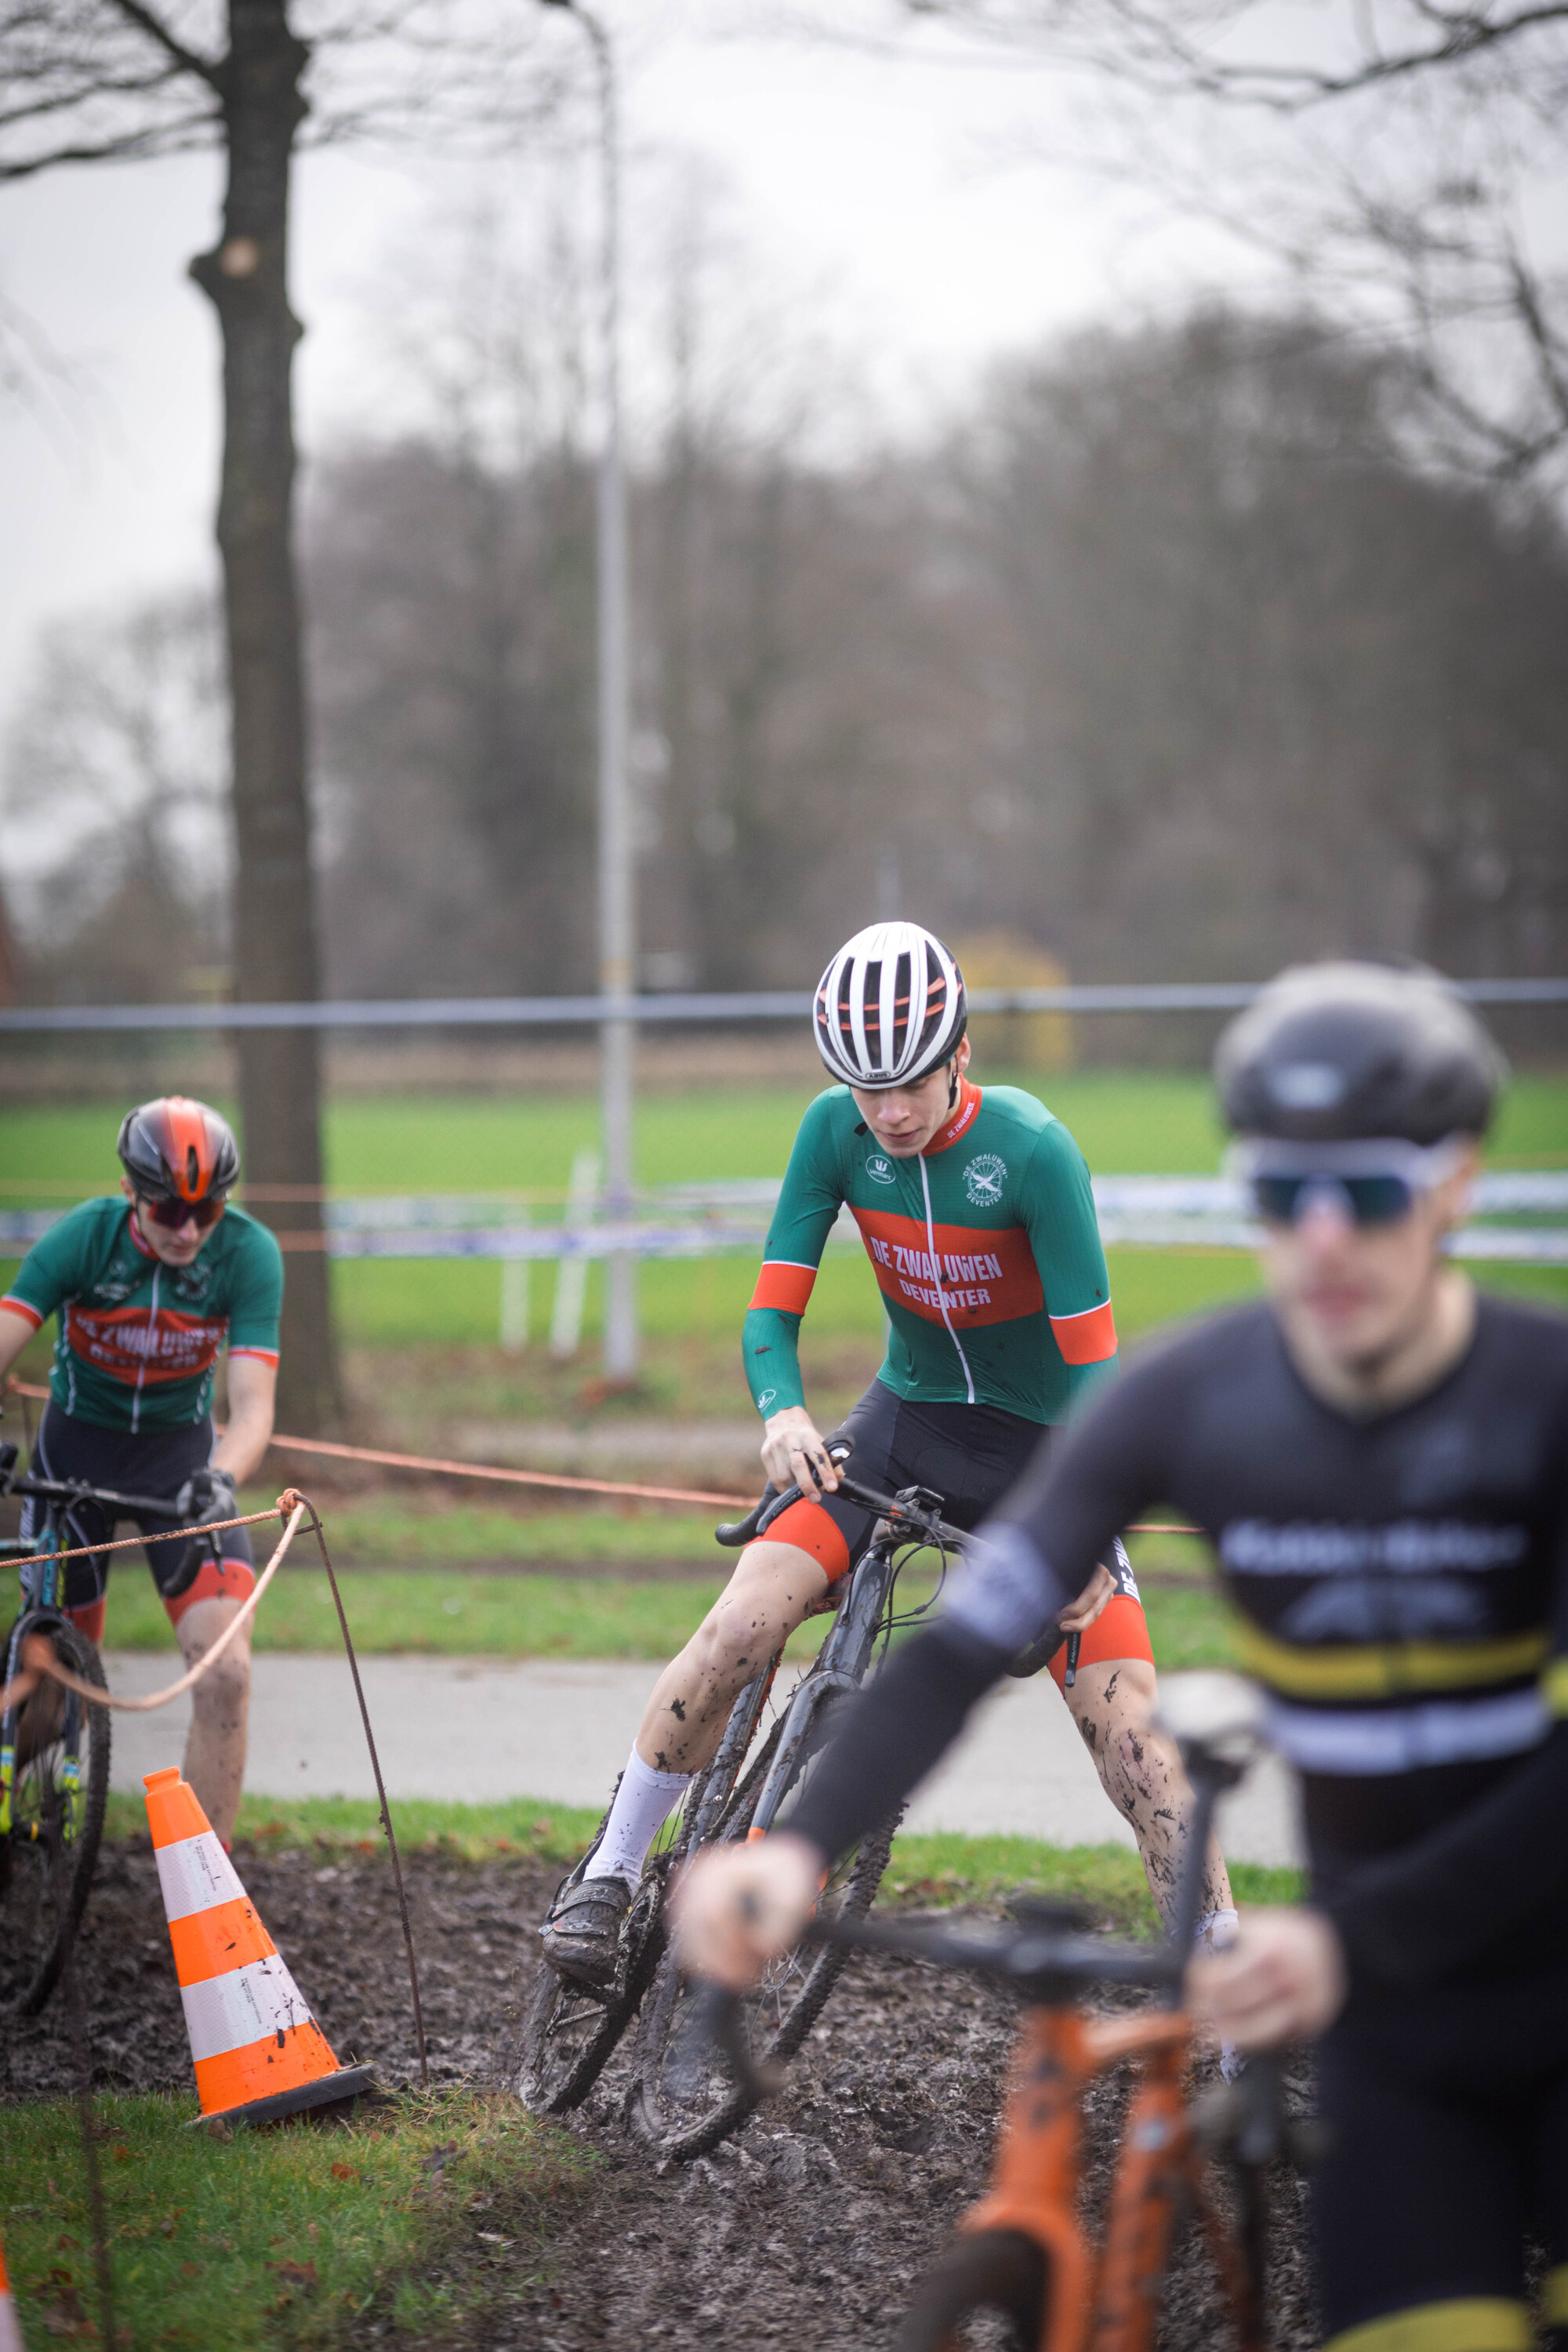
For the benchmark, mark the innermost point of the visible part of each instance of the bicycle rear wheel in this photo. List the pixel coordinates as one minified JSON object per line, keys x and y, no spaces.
{"x":988,"y":2271}
{"x":58,"y":1791}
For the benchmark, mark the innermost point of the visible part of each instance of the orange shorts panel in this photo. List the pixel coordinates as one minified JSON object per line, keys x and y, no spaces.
{"x":87,"y":1618}
{"x":1121,"y":1630}
{"x":811,"y":1530}
{"x":227,"y":1580}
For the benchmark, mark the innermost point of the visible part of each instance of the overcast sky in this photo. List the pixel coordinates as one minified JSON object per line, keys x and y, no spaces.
{"x":878,"y":199}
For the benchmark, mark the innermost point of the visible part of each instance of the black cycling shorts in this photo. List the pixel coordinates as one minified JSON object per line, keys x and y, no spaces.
{"x":154,"y":1462}
{"x":970,"y":1455}
{"x":1447,"y":2120}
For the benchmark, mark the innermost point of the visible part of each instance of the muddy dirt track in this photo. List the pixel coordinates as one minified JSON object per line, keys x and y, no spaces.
{"x":808,"y":2230}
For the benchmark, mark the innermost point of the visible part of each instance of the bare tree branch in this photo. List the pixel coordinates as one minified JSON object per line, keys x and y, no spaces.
{"x":1156,"y":43}
{"x":156,"y":30}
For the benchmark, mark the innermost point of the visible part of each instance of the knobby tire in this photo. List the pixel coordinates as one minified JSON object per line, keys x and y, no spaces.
{"x":45,"y":1881}
{"x":568,"y":2033}
{"x":686,"y":2100}
{"x":986,"y":2271}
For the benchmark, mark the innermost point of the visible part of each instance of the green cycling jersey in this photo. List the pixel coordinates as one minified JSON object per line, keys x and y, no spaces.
{"x":137,"y":1339}
{"x":985,"y":1246}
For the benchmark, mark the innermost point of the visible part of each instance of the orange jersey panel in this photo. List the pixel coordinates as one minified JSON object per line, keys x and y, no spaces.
{"x":130,"y":1345}
{"x":978,"y":1277}
{"x":1085,"y":1338}
{"x":784,"y":1287}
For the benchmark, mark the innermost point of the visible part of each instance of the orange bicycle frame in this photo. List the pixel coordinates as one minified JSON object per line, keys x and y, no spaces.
{"x":1105,"y":2298}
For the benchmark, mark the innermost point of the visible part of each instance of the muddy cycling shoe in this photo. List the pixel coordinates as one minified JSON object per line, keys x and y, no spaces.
{"x":582,"y":1933}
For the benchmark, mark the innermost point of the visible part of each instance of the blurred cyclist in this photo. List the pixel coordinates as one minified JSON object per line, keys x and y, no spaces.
{"x":1381,"y":1461}
{"x":147,"y":1289}
{"x":975,"y":1209}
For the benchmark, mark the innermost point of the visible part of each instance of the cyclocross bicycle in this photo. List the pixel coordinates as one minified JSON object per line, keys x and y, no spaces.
{"x":1023,"y":2251}
{"x":682,"y":2097}
{"x":54,"y":1751}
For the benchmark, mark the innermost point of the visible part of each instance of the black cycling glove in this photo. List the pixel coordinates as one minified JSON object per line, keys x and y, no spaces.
{"x":207,"y":1494}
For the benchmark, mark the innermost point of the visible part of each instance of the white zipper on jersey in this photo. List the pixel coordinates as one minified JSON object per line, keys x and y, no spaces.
{"x":142,"y":1367}
{"x":941,"y":1292}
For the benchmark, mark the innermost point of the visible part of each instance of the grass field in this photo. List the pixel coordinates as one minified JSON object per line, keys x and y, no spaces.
{"x":1127,"y":1122}
{"x":448,"y":1615}
{"x":266,"y":2240}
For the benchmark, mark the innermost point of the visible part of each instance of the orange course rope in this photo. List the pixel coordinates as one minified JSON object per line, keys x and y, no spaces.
{"x":38,"y":1659}
{"x":439,"y":1467}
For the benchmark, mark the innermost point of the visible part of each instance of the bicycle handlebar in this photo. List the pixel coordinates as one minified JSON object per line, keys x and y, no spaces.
{"x":75,"y":1490}
{"x":914,"y":1508}
{"x":1045,"y":1958}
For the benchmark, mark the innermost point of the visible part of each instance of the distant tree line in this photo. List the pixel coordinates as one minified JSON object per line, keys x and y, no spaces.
{"x":1175,"y":655}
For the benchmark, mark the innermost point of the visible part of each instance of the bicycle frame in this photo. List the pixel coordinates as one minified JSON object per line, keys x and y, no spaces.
{"x":41,"y":1607}
{"x":840,"y":1666}
{"x":1106,"y":2298}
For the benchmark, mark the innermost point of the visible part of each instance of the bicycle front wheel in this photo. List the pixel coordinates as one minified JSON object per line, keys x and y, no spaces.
{"x":59,"y":1788}
{"x":989,"y":2271}
{"x":686,"y":2099}
{"x":569,"y":2032}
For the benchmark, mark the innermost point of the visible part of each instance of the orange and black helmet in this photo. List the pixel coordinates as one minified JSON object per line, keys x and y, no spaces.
{"x":177,"y":1149}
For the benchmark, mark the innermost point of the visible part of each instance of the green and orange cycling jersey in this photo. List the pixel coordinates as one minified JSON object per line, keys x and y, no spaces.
{"x":138,"y":1340}
{"x":985,"y":1246}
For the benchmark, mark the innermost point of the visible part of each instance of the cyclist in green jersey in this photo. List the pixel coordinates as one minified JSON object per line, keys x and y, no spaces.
{"x":146,"y":1289}
{"x":975,"y":1209}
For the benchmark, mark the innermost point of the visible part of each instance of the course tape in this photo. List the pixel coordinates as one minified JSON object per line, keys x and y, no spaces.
{"x":439,"y":1467}
{"x":39,"y":1659}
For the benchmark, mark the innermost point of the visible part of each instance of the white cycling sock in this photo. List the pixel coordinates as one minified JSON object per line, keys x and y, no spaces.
{"x":643,"y":1801}
{"x":1216,"y":1930}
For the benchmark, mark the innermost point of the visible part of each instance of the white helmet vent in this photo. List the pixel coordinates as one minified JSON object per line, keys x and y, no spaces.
{"x":890,"y":1007}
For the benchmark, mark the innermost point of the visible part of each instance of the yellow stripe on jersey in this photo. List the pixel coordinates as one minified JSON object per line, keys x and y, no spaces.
{"x":1470,"y":2323}
{"x":1390,"y":1669}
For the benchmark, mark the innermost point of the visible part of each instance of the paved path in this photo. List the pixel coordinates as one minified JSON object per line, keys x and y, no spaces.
{"x":480,"y":1730}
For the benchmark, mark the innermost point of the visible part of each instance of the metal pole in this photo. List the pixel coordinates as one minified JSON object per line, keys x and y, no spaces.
{"x":617,"y":913}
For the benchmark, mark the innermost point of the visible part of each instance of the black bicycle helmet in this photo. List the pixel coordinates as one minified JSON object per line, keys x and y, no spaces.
{"x":177,"y":1149}
{"x":1332,"y":1051}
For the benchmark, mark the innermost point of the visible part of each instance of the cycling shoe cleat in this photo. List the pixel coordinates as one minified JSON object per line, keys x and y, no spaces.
{"x":582,"y":1932}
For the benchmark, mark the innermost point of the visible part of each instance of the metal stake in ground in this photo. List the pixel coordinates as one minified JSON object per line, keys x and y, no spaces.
{"x":102,"y":2266}
{"x":380,"y":1788}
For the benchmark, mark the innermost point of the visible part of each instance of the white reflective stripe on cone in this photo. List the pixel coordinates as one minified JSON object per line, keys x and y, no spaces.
{"x":10,"y":2332}
{"x":228,"y":2012}
{"x":194,"y":1874}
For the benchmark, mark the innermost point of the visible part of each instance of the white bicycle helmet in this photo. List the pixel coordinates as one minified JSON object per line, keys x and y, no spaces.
{"x":890,"y":1007}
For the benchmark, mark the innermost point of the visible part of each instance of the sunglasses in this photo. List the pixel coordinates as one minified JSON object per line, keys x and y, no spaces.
{"x":1375,"y":1180}
{"x":1381,"y":1199}
{"x":173,"y":1214}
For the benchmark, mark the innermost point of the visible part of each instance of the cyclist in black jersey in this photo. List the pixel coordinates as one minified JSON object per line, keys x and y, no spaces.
{"x":1380,"y":1460}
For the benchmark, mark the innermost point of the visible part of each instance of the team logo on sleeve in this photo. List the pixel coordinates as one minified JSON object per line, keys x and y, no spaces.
{"x":984,"y":1179}
{"x":879,"y":1169}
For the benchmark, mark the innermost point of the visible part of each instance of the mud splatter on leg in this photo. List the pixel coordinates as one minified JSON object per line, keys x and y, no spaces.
{"x":1111,"y":1706}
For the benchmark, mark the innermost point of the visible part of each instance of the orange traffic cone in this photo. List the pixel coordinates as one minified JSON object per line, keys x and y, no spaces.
{"x":10,"y":2329}
{"x":258,"y":2051}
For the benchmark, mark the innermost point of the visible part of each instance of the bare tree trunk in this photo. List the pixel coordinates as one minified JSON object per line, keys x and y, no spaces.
{"x":246,"y":277}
